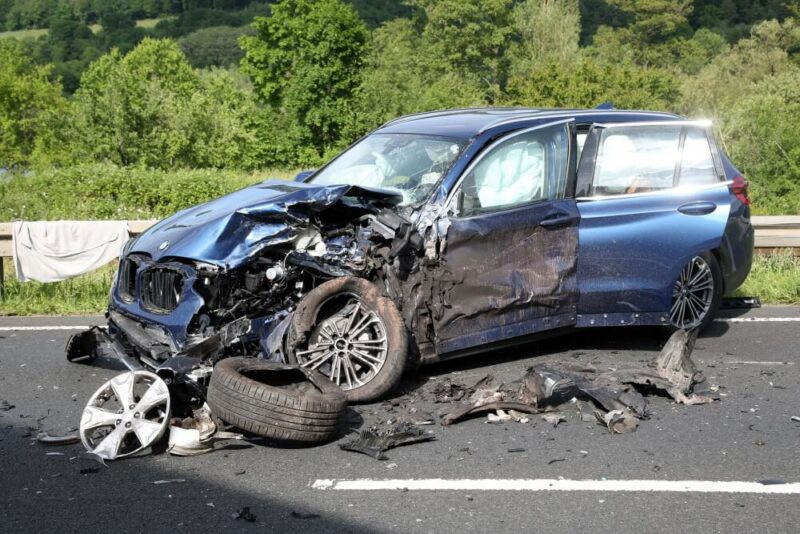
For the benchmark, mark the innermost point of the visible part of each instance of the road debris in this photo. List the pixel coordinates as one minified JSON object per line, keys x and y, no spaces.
{"x":619,"y":421}
{"x":47,"y":439}
{"x":553,"y":418}
{"x":89,"y":470}
{"x":245,"y":514}
{"x":6,"y":406}
{"x":618,"y":394}
{"x":796,"y":418}
{"x":169,"y":481}
{"x":374,"y":442}
{"x":300,"y":515}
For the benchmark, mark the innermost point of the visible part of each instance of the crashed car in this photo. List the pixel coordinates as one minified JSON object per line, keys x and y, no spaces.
{"x":439,"y":235}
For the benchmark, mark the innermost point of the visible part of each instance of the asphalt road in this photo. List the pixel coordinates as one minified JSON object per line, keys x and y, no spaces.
{"x":747,"y":436}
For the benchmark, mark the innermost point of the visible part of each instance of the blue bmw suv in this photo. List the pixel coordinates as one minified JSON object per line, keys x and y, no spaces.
{"x":438,"y":235}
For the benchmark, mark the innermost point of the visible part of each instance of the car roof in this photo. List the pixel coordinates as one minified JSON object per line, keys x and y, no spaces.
{"x":467,"y":123}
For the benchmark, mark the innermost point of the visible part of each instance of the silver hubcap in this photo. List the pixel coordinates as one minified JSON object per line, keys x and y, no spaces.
{"x":692,"y":294}
{"x":127,"y":414}
{"x":349,"y":347}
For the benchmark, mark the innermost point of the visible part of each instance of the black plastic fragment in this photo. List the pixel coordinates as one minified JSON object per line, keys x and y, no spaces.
{"x":374,"y":443}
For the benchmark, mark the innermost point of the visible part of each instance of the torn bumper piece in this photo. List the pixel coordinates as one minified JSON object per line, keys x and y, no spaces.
{"x":89,"y":344}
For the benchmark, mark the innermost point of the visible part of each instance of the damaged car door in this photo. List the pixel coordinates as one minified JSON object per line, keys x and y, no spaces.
{"x":508,"y":265}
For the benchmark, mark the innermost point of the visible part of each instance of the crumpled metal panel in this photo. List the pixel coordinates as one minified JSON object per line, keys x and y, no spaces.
{"x":230,"y":230}
{"x":505,"y":269}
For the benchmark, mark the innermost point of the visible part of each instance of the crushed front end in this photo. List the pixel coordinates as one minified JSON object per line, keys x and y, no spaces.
{"x":218,"y":279}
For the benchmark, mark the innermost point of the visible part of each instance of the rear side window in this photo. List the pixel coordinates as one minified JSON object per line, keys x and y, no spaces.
{"x":642,"y":159}
{"x":697,"y":164}
{"x":636,"y":159}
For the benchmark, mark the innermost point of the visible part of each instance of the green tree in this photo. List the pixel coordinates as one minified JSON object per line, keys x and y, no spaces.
{"x":305,"y":63}
{"x":29,"y":103}
{"x":149,"y":108}
{"x":587,"y":83}
{"x":213,"y":47}
{"x":544,"y":31}
{"x":760,"y":132}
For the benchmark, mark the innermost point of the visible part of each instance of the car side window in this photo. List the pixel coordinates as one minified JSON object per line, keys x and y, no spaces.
{"x":524,"y":168}
{"x":697,"y":163}
{"x":636,"y":159}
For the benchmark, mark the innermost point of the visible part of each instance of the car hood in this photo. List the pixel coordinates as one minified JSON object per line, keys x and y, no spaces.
{"x":229,"y":230}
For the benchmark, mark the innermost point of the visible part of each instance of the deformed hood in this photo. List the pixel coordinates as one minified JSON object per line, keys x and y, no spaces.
{"x":231,"y":229}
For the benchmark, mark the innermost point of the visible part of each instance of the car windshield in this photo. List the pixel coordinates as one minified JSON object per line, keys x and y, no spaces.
{"x":409,"y":164}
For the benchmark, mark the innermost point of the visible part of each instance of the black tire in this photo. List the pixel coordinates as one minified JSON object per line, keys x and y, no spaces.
{"x":715,"y":295}
{"x":322,"y":301}
{"x":276,"y":400}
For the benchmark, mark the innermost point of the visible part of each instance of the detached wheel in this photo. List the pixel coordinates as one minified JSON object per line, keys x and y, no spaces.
{"x":276,"y":400}
{"x":347,"y":331}
{"x":696,"y":293}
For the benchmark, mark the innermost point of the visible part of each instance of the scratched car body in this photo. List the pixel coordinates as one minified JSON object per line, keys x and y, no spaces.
{"x":439,"y":235}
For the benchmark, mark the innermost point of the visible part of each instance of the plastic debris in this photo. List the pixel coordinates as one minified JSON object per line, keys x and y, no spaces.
{"x":375,"y":442}
{"x":300,"y":515}
{"x":245,"y":514}
{"x":553,"y":418}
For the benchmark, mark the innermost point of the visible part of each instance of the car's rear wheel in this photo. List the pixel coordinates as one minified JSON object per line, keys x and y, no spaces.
{"x":349,"y":332}
{"x":696,"y":293}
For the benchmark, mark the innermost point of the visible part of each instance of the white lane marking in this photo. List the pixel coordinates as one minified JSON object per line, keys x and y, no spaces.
{"x":754,"y":362}
{"x":758,"y":320}
{"x":489,"y":484}
{"x":35,"y":328}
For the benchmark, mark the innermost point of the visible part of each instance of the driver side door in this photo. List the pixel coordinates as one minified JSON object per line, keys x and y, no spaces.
{"x":508,"y":266}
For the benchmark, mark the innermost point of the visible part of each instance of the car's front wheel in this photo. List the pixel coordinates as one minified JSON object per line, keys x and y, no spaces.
{"x":696,"y":293}
{"x":349,"y":332}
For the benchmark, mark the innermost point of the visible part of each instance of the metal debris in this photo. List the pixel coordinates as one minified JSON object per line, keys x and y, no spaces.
{"x":796,"y":418}
{"x":47,"y":439}
{"x":375,"y":442}
{"x":618,"y":393}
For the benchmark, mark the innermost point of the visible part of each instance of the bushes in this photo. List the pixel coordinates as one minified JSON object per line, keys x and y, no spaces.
{"x":94,"y":192}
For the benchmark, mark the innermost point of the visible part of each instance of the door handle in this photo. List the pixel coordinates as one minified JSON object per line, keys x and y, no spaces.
{"x":558,"y":220}
{"x":700,"y":207}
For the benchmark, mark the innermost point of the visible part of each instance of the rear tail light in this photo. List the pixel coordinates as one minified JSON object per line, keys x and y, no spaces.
{"x":739,"y":188}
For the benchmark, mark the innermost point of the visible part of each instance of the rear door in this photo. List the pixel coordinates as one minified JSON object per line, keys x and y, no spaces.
{"x":651,"y":196}
{"x":508,"y":265}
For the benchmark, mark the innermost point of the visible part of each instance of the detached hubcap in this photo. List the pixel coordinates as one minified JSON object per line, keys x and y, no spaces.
{"x":349,"y":347}
{"x":128,"y":413}
{"x":692,"y":294}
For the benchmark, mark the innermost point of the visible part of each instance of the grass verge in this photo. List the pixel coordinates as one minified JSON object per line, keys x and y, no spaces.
{"x":775,"y":279}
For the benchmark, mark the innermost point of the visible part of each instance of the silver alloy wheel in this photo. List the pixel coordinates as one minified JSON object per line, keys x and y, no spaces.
{"x":128,"y":413}
{"x":692,"y":294}
{"x":350,"y":347}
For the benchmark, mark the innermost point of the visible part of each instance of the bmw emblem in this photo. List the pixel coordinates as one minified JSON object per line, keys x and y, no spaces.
{"x":164,"y":245}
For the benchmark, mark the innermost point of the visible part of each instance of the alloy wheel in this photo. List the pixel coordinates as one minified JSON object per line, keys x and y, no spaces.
{"x":349,"y":347}
{"x":692,"y":294}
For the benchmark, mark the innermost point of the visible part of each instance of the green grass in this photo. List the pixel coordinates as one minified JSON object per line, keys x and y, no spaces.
{"x":79,"y":295}
{"x":24,"y":34}
{"x":775,"y":279}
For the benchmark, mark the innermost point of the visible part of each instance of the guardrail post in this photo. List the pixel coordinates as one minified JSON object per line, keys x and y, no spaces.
{"x":2,"y":280}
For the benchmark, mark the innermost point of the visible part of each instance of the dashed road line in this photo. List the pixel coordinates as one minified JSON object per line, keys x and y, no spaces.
{"x":490,"y":484}
{"x":758,"y":320}
{"x":42,"y":328}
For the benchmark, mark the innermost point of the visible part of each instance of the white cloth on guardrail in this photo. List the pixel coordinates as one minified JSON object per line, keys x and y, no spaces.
{"x":49,"y":251}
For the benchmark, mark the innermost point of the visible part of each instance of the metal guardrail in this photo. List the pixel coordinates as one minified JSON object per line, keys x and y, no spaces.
{"x":772,"y":233}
